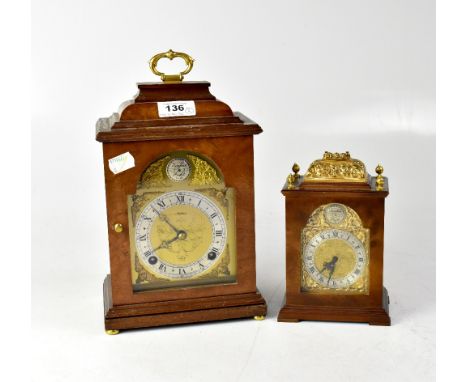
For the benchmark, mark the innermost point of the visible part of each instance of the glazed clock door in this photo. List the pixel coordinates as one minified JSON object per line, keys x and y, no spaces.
{"x":182,"y":225}
{"x":335,"y":252}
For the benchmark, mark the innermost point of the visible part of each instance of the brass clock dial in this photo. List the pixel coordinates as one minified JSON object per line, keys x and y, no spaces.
{"x":335,"y":258}
{"x":182,"y":225}
{"x":180,"y":234}
{"x":335,"y":252}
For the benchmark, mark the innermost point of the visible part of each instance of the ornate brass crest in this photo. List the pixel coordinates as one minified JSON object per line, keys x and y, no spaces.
{"x":336,"y":167}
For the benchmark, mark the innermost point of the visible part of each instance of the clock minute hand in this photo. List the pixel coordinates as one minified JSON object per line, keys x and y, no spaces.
{"x":331,"y":273}
{"x":166,"y":220}
{"x":330,"y":267}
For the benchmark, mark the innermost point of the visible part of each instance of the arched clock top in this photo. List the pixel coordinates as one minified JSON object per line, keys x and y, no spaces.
{"x":334,"y":215}
{"x":182,"y":168}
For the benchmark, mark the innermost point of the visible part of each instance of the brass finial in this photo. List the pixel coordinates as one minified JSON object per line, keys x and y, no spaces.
{"x":380,"y":179}
{"x":296,"y":169}
{"x":293,"y":177}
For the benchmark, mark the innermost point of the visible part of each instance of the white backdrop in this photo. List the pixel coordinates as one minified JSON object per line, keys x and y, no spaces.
{"x":316,"y":75}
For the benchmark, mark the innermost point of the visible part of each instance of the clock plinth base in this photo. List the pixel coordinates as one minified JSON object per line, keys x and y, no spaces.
{"x":122,"y":317}
{"x":373,"y":316}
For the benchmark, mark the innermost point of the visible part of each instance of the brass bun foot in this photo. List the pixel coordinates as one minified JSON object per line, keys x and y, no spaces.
{"x":259,"y":318}
{"x":112,"y":332}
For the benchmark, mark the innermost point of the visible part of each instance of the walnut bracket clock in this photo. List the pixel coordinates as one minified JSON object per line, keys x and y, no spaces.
{"x":180,"y":207}
{"x":334,"y":243}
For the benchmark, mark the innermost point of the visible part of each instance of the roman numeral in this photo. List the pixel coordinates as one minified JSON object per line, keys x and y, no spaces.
{"x":219,"y":233}
{"x":162,"y":267}
{"x":180,"y":198}
{"x":182,"y":271}
{"x":147,"y":253}
{"x":142,"y":237}
{"x":212,"y":216}
{"x":201,"y":265}
{"x":161,"y":203}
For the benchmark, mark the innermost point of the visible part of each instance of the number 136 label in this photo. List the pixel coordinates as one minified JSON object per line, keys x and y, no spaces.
{"x":176,"y":109}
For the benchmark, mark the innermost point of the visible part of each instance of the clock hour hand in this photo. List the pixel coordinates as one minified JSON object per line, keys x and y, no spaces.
{"x":330,"y":267}
{"x":181,"y":235}
{"x":165,"y":243}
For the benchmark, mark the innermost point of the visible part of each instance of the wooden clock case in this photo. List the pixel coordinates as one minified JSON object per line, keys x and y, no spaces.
{"x":368,"y":200}
{"x":216,"y":133}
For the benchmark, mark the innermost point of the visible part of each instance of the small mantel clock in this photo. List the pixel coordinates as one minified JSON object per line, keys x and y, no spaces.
{"x":180,"y":207}
{"x":334,"y":243}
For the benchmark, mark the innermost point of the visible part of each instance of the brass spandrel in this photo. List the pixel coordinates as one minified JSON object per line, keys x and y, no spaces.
{"x":204,"y":173}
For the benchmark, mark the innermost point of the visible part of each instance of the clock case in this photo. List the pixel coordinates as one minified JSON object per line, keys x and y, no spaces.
{"x":215,"y":132}
{"x":368,"y":201}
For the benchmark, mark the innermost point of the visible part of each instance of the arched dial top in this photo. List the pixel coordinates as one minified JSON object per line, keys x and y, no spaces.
{"x":181,"y":169}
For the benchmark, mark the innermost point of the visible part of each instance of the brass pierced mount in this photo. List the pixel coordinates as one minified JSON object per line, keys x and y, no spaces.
{"x":336,"y":167}
{"x":292,"y":178}
{"x":170,"y":54}
{"x":380,"y":179}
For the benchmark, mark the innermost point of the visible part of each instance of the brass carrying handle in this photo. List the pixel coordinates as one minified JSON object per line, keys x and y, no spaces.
{"x":170,"y":54}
